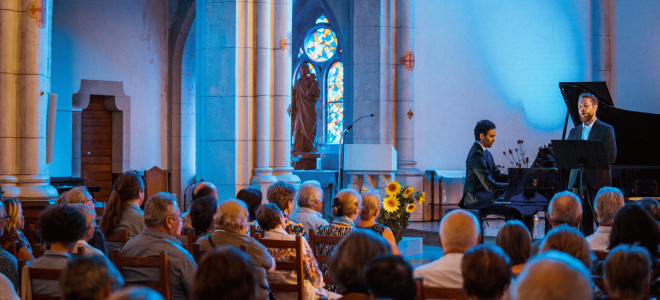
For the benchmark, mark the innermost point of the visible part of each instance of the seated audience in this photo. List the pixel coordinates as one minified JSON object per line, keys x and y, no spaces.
{"x":348,"y":262}
{"x":61,"y":227}
{"x":564,"y":208}
{"x":122,"y":211}
{"x":390,"y":277}
{"x":486,"y":272}
{"x":516,"y":242}
{"x":202,"y":189}
{"x":7,"y":288}
{"x":281,"y":194}
{"x":226,"y":273}
{"x":90,"y":221}
{"x":231,"y":226}
{"x":12,"y":238}
{"x":252,"y":198}
{"x":459,"y":231}
{"x":632,"y":224}
{"x":136,"y":293}
{"x":553,"y":275}
{"x":310,"y":205}
{"x":8,"y":262}
{"x":569,"y":240}
{"x":370,"y":205}
{"x":163,"y":221}
{"x":627,"y":272}
{"x":201,"y":214}
{"x":80,"y":194}
{"x":89,"y":277}
{"x":345,"y":209}
{"x":608,"y":201}
{"x":272,"y":222}
{"x":651,"y":206}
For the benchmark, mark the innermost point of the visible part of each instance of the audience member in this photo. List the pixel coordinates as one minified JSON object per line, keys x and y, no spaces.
{"x":7,"y":288}
{"x":348,"y":262}
{"x":516,"y":242}
{"x":553,"y":275}
{"x":370,"y":204}
{"x":632,"y":224}
{"x":310,"y":205}
{"x":390,"y":277}
{"x":89,"y":278}
{"x":272,"y":222}
{"x":202,"y":213}
{"x":651,"y":206}
{"x":569,"y":240}
{"x":608,"y":201}
{"x":281,"y":194}
{"x":459,"y":231}
{"x":61,"y":227}
{"x":486,"y":272}
{"x":122,"y":211}
{"x":231,"y":226}
{"x":627,"y":272}
{"x":12,"y":238}
{"x":226,"y":273}
{"x":252,"y":198}
{"x":345,"y":210}
{"x":202,"y":189}
{"x":80,"y":194}
{"x":8,"y":262}
{"x":136,"y":293}
{"x":564,"y":208}
{"x":90,"y":221}
{"x":163,"y":227}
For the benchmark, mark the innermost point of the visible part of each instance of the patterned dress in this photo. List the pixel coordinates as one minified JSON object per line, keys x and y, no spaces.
{"x":329,"y":249}
{"x":291,"y":228}
{"x":377,"y":228}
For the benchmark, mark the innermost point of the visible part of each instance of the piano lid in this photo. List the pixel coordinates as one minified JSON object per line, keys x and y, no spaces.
{"x":637,"y":133}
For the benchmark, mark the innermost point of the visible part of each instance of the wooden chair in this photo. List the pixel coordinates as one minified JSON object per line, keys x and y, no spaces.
{"x":159,"y":262}
{"x":197,"y":252}
{"x":34,"y":237}
{"x":118,"y":237}
{"x":295,"y":265}
{"x":320,"y":258}
{"x":190,"y":238}
{"x":155,"y":181}
{"x":254,"y":231}
{"x":601,"y":254}
{"x":44,"y":274}
{"x":427,"y":292}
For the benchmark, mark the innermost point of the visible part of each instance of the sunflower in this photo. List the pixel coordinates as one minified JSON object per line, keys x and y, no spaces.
{"x":410,"y":208}
{"x":391,"y":204}
{"x":407,"y":192}
{"x":393,"y":188}
{"x":422,"y":198}
{"x":364,"y":189}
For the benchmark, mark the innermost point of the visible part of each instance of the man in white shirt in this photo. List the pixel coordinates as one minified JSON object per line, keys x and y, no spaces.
{"x":608,"y":201}
{"x":459,"y":231}
{"x":310,"y":205}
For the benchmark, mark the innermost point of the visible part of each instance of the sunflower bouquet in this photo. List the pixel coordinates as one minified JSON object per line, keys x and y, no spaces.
{"x":397,"y":207}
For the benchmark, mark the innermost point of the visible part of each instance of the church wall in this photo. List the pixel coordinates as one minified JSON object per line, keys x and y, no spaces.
{"x":494,"y":60}
{"x":123,"y":40}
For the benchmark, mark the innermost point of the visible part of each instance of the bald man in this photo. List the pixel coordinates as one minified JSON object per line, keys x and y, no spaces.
{"x":553,"y":275}
{"x":201,"y":189}
{"x":564,"y":208}
{"x":459,"y":231}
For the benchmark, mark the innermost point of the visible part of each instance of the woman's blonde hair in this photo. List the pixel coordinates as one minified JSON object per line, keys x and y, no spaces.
{"x":345,"y":203}
{"x":13,"y":208}
{"x":370,"y":204}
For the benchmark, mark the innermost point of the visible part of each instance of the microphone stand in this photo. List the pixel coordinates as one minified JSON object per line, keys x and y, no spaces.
{"x":341,"y":150}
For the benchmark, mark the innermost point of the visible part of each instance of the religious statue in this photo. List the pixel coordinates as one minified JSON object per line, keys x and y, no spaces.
{"x":303,"y":111}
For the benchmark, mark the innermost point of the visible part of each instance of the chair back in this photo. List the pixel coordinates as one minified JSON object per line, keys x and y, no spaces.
{"x":314,"y":239}
{"x":197,"y":252}
{"x":34,"y":238}
{"x":120,"y":236}
{"x":44,"y":274}
{"x":295,"y":265}
{"x":427,"y":292}
{"x":158,"y":262}
{"x":190,"y":238}
{"x":155,"y":181}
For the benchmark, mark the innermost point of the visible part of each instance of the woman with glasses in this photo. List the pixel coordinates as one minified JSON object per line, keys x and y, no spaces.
{"x":13,"y":239}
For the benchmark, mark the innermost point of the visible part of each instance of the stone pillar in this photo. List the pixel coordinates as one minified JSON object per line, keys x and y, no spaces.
{"x":385,"y":115}
{"x":601,"y":12}
{"x":281,"y":64}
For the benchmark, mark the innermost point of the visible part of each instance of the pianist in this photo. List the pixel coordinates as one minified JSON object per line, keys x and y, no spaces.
{"x":483,"y":180}
{"x":591,"y":129}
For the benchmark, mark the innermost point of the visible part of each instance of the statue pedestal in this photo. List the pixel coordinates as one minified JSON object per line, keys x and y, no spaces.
{"x":307,"y":161}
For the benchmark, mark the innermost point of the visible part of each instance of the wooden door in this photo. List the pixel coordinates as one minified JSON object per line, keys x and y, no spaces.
{"x":96,"y":147}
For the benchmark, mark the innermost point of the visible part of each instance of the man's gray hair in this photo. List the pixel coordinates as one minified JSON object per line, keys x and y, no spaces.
{"x":627,"y":271}
{"x":77,"y":194}
{"x":232,"y":214}
{"x":309,"y":193}
{"x":570,"y":278}
{"x":86,"y":276}
{"x":158,"y":208}
{"x":608,"y":201}
{"x":565,"y":208}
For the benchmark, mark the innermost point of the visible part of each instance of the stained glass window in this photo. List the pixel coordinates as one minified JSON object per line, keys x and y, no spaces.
{"x":321,"y":44}
{"x":322,"y":19}
{"x":335,"y":103}
{"x":301,"y":52}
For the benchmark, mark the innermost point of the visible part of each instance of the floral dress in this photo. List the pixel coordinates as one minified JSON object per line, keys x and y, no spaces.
{"x":329,"y":249}
{"x":377,"y":228}
{"x":291,"y":228}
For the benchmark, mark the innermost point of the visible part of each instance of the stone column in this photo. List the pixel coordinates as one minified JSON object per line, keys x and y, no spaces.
{"x":601,"y":12}
{"x":385,"y":115}
{"x":281,"y":64}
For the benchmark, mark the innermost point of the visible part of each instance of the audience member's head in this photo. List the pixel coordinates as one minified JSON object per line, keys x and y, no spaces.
{"x":353,"y":253}
{"x":632,"y":224}
{"x":390,"y":277}
{"x":136,"y":293}
{"x":282,"y":194}
{"x":553,"y":275}
{"x":345,"y":203}
{"x":486,"y":272}
{"x":269,"y":216}
{"x":127,"y":189}
{"x":252,"y":198}
{"x":370,"y":204}
{"x":652,"y":206}
{"x":204,"y":189}
{"x":565,"y":208}
{"x":90,"y":219}
{"x":608,"y":201}
{"x":225,"y":273}
{"x":459,"y":231}
{"x":162,"y":214}
{"x":14,"y":221}
{"x":570,"y":241}
{"x":627,"y":272}
{"x":88,"y":278}
{"x":310,"y":195}
{"x":232,"y":215}
{"x":78,"y":194}
{"x":202,"y":213}
{"x":515,"y":241}
{"x":62,"y":226}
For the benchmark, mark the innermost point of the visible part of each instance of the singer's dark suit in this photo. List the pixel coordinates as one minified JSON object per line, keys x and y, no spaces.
{"x":482,"y":178}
